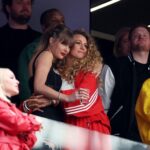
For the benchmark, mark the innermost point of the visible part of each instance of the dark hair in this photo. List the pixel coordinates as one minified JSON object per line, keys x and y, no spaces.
{"x":60,"y":32}
{"x":8,"y":3}
{"x":47,"y":15}
{"x":118,"y":38}
{"x":137,"y":26}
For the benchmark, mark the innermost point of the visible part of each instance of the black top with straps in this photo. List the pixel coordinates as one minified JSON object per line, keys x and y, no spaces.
{"x":54,"y":81}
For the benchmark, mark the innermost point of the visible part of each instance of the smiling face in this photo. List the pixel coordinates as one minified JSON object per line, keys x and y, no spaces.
{"x":20,"y":11}
{"x":79,"y":49}
{"x":140,"y":39}
{"x":10,"y":83}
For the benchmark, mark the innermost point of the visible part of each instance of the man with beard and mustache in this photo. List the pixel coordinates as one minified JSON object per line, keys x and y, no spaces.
{"x":130,"y":73}
{"x":16,"y":34}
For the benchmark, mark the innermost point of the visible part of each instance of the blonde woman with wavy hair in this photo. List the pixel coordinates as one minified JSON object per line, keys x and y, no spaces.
{"x":87,"y":63}
{"x":77,"y":72}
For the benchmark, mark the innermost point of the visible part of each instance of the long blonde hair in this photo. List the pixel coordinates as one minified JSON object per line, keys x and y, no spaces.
{"x":2,"y":86}
{"x":88,"y":63}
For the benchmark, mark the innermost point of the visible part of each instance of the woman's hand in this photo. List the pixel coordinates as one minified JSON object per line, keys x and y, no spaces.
{"x":35,"y":103}
{"x":81,"y":94}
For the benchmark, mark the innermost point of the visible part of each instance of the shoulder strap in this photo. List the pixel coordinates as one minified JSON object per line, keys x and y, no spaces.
{"x":33,"y":66}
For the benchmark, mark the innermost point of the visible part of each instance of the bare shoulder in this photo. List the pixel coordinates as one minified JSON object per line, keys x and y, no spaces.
{"x":45,"y":56}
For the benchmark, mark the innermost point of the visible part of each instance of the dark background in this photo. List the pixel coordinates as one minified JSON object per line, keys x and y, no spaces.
{"x":123,"y":13}
{"x":110,"y":19}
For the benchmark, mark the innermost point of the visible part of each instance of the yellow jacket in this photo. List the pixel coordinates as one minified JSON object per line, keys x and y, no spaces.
{"x":142,"y":111}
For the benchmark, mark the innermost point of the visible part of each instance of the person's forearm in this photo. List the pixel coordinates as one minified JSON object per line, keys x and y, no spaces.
{"x":51,"y":93}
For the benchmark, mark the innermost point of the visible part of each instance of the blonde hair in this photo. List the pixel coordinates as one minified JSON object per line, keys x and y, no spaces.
{"x":86,"y":64}
{"x":2,"y":86}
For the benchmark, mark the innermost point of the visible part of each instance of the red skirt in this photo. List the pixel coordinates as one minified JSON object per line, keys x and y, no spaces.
{"x":98,"y":122}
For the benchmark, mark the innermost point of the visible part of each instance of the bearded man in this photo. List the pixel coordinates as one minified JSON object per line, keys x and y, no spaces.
{"x":16,"y":33}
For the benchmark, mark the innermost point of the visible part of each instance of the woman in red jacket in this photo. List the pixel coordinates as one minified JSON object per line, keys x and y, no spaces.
{"x":77,"y":73}
{"x":16,"y":129}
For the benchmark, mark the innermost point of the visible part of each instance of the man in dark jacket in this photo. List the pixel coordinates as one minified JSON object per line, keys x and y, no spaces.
{"x":130,"y":73}
{"x":16,"y":34}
